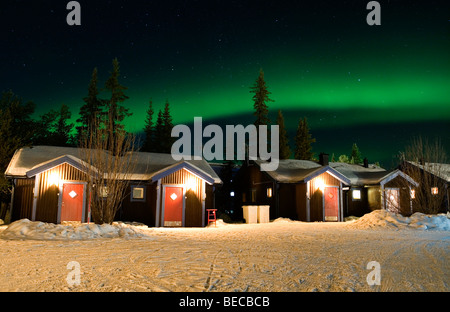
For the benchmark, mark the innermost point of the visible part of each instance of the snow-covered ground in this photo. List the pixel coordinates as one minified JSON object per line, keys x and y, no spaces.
{"x":281,"y":256}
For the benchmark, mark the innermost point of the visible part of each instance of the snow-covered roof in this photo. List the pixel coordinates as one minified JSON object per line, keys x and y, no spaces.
{"x":29,"y":160}
{"x":358,"y":174}
{"x":372,"y":175}
{"x":438,"y":169}
{"x":294,"y":171}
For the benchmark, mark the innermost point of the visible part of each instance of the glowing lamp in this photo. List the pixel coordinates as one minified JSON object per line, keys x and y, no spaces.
{"x":320,"y":185}
{"x":53,"y":179}
{"x":191,"y":184}
{"x":434,"y":190}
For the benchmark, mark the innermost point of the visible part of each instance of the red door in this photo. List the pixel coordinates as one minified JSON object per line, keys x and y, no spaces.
{"x":331,"y":202}
{"x":173,"y":206}
{"x":72,"y":202}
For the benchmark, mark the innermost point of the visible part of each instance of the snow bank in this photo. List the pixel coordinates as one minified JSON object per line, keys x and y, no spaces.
{"x":385,"y":219}
{"x":219,"y":223}
{"x":26,"y":229}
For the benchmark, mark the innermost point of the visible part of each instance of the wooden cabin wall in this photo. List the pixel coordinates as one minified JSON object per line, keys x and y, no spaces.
{"x":286,"y":199}
{"x":356,"y":207}
{"x":193,"y":200}
{"x":374,"y":198}
{"x":23,"y":199}
{"x":139,"y":211}
{"x":251,"y":179}
{"x":209,"y":201}
{"x":405,"y":194}
{"x":301,"y":201}
{"x":47,"y":203}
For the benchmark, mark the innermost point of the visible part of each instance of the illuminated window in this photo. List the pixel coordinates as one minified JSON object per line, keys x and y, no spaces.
{"x":269,"y":192}
{"x":413,"y":194}
{"x":434,"y":190}
{"x":103,"y":191}
{"x":356,"y":194}
{"x":137,"y":193}
{"x":232,"y":194}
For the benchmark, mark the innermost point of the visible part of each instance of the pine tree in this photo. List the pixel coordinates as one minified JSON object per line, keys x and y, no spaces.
{"x":115,"y":111}
{"x":355,"y":156}
{"x":303,"y":141}
{"x":159,"y":133}
{"x":92,"y":110}
{"x":62,"y":135}
{"x":16,"y":130}
{"x":333,"y":158}
{"x":260,"y":99}
{"x":148,"y":145}
{"x":284,"y":149}
{"x":167,"y":126}
{"x":53,"y":128}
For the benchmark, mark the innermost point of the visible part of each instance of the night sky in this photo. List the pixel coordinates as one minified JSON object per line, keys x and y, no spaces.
{"x":376,"y":86}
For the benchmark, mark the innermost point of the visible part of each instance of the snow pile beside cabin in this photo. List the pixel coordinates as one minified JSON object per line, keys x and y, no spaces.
{"x":26,"y":229}
{"x":385,"y":219}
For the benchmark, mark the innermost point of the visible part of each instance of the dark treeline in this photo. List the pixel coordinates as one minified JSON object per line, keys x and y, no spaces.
{"x":18,"y":128}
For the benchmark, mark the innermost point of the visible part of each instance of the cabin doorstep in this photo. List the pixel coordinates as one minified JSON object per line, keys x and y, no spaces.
{"x":50,"y":185}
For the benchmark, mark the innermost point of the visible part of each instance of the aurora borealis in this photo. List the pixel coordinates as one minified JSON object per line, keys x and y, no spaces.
{"x":373,"y":85}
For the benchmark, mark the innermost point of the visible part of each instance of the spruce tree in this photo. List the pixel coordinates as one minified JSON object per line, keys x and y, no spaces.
{"x":53,"y":128}
{"x":167,"y":125}
{"x":16,"y":131}
{"x":159,"y":133}
{"x":260,"y":100}
{"x":333,"y":158}
{"x":261,"y":109}
{"x":115,"y":111}
{"x":303,"y":141}
{"x":62,"y":135}
{"x":148,"y":145}
{"x":92,"y":110}
{"x":284,"y":149}
{"x":355,"y":155}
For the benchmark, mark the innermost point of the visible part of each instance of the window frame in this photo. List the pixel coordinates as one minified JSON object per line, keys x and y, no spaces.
{"x":353,"y":195}
{"x":144,"y":194}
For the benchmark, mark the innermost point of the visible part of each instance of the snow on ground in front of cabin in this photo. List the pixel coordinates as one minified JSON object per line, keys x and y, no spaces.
{"x":386,"y":219}
{"x":36,"y":230}
{"x":280,"y":256}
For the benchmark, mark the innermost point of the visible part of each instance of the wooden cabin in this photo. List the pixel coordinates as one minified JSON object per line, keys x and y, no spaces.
{"x":373,"y":187}
{"x":50,"y":185}
{"x":299,"y":189}
{"x":434,"y":183}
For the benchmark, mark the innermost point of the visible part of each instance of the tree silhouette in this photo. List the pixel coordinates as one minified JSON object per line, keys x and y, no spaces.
{"x":149,"y":130}
{"x":284,"y":149}
{"x":115,"y":111}
{"x":91,"y":112}
{"x":303,"y":141}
